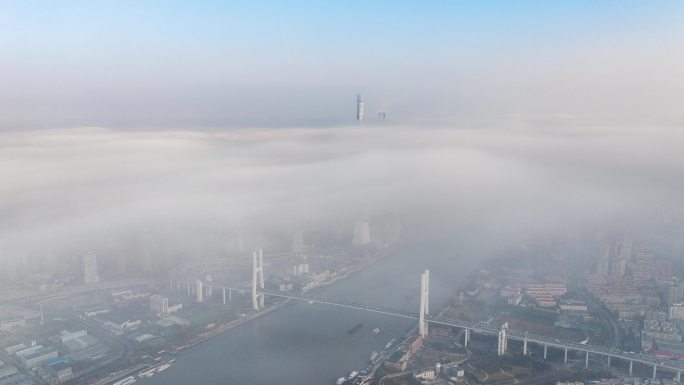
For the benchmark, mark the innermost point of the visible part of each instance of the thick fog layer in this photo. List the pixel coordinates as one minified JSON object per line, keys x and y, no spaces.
{"x":72,"y":190}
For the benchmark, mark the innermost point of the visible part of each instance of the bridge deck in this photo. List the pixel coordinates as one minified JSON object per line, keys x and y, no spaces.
{"x":477,"y":327}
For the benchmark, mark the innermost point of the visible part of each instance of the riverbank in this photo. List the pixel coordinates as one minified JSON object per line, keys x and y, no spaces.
{"x":308,"y":343}
{"x":226,"y":327}
{"x":355,"y":269}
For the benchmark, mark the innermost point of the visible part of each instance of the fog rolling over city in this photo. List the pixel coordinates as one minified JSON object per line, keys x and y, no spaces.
{"x":117,"y":192}
{"x":348,"y":193}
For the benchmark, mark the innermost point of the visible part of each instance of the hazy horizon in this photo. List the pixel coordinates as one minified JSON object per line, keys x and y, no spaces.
{"x":264,"y":64}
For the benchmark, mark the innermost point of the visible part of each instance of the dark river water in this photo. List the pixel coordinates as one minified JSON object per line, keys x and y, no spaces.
{"x":309,"y":343}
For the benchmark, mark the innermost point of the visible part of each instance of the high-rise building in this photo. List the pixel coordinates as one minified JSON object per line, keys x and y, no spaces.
{"x":361,"y":233}
{"x":90,"y":268}
{"x":675,"y":294}
{"x":199,"y":291}
{"x":625,"y":249}
{"x":302,"y":268}
{"x":298,"y":241}
{"x":676,"y":312}
{"x":386,"y":229}
{"x":360,"y":108}
{"x":159,"y":304}
{"x":603,"y":265}
{"x":619,"y":266}
{"x":9,"y":269}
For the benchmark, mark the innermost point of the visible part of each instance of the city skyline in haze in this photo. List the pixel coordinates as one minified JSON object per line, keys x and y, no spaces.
{"x":265,"y":64}
{"x":261,"y":192}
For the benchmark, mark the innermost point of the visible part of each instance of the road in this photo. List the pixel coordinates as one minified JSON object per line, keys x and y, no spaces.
{"x":483,"y":328}
{"x":38,"y":296}
{"x":603,"y":313}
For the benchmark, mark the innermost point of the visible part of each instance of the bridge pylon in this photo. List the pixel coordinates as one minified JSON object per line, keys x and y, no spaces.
{"x":424,"y":303}
{"x":257,"y":278}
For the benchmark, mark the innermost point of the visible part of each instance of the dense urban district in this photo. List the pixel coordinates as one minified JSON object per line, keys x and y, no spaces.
{"x":592,"y":308}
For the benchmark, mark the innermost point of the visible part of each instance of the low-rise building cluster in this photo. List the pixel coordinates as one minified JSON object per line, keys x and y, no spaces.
{"x":10,"y":375}
{"x":625,"y":297}
{"x":43,"y":361}
{"x":662,"y":338}
{"x":80,"y":346}
{"x":533,"y":293}
{"x":439,"y":374}
{"x":547,"y":294}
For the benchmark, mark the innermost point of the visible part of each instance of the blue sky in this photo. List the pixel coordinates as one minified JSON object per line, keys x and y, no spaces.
{"x":99,"y":60}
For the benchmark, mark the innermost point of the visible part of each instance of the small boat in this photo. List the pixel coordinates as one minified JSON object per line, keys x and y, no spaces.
{"x":126,"y":381}
{"x":376,"y":331}
{"x":147,"y":373}
{"x":390,"y":343}
{"x":355,"y":328}
{"x":340,"y":381}
{"x":352,"y":374}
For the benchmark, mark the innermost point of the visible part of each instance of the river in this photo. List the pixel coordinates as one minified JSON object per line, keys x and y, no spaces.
{"x":309,"y":343}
